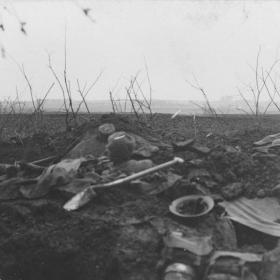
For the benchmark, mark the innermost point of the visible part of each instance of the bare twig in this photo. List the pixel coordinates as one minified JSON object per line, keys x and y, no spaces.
{"x":246,"y":101}
{"x":59,"y":83}
{"x":210,"y":108}
{"x":263,"y":81}
{"x":81,"y":92}
{"x":42,"y":101}
{"x":22,"y":70}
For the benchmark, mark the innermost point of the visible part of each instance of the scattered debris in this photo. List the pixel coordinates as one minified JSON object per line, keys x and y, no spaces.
{"x":22,"y":27}
{"x":230,"y":149}
{"x":267,"y":140}
{"x":276,"y":191}
{"x":135,"y":166}
{"x":245,"y":257}
{"x":200,"y":176}
{"x":192,"y":206}
{"x":89,"y":145}
{"x":260,"y":214}
{"x":120,"y":147}
{"x":191,"y":146}
{"x":10,"y":189}
{"x":105,"y":131}
{"x":271,"y":264}
{"x":201,"y":246}
{"x":85,"y":196}
{"x":232,"y":191}
{"x":224,"y":229}
{"x":158,"y":183}
{"x":265,"y":155}
{"x":196,"y":162}
{"x":261,"y":193}
{"x":176,"y":114}
{"x":179,"y":271}
{"x":183,"y":145}
{"x":232,"y":266}
{"x":267,"y":143}
{"x":58,"y":174}
{"x":134,"y":219}
{"x":202,"y":150}
{"x":143,"y":148}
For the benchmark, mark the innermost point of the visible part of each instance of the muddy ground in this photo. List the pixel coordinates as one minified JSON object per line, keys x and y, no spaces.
{"x":119,"y":234}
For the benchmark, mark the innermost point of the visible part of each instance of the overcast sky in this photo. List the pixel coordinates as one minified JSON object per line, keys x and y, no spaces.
{"x":215,"y":40}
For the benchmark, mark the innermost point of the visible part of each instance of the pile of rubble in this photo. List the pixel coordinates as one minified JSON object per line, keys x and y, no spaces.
{"x":98,"y":158}
{"x":211,"y":193}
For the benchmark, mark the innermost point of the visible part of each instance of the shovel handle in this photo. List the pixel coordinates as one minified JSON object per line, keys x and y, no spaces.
{"x":141,"y":173}
{"x":86,"y":195}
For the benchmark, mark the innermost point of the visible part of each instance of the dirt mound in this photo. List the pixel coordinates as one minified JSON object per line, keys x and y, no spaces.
{"x":253,"y":173}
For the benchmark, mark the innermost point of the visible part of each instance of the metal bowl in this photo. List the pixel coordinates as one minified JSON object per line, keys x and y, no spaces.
{"x":195,"y":206}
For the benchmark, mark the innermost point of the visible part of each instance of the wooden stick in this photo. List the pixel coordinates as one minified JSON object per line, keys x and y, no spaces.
{"x":83,"y":197}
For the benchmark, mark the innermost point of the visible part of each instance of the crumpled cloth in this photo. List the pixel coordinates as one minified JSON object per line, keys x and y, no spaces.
{"x":260,"y":214}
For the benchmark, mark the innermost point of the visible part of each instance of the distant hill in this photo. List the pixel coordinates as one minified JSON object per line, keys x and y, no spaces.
{"x":98,"y":106}
{"x":101,"y":106}
{"x":224,"y":106}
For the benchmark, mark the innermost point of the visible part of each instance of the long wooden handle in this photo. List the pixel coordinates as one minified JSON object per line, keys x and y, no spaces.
{"x":140,"y":174}
{"x":86,"y":195}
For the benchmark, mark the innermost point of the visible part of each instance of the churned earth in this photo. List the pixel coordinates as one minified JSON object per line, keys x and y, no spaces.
{"x":119,"y":234}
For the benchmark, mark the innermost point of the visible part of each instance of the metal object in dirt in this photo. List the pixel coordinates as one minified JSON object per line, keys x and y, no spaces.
{"x":226,"y":265}
{"x":192,"y":206}
{"x":120,"y":146}
{"x":201,"y":246}
{"x":267,"y":140}
{"x":179,"y":271}
{"x":105,"y":130}
{"x":86,"y":195}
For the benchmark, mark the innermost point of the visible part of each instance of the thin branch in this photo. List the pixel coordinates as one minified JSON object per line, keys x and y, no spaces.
{"x":58,"y":81}
{"x":210,"y":108}
{"x":29,"y":85}
{"x":150,"y":84}
{"x":272,"y":98}
{"x":246,"y":101}
{"x":45,"y":97}
{"x":94,"y":83}
{"x":81,"y":92}
{"x":112,"y":101}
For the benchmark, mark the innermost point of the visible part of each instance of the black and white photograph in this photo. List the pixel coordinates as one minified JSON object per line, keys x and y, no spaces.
{"x":139,"y":140}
